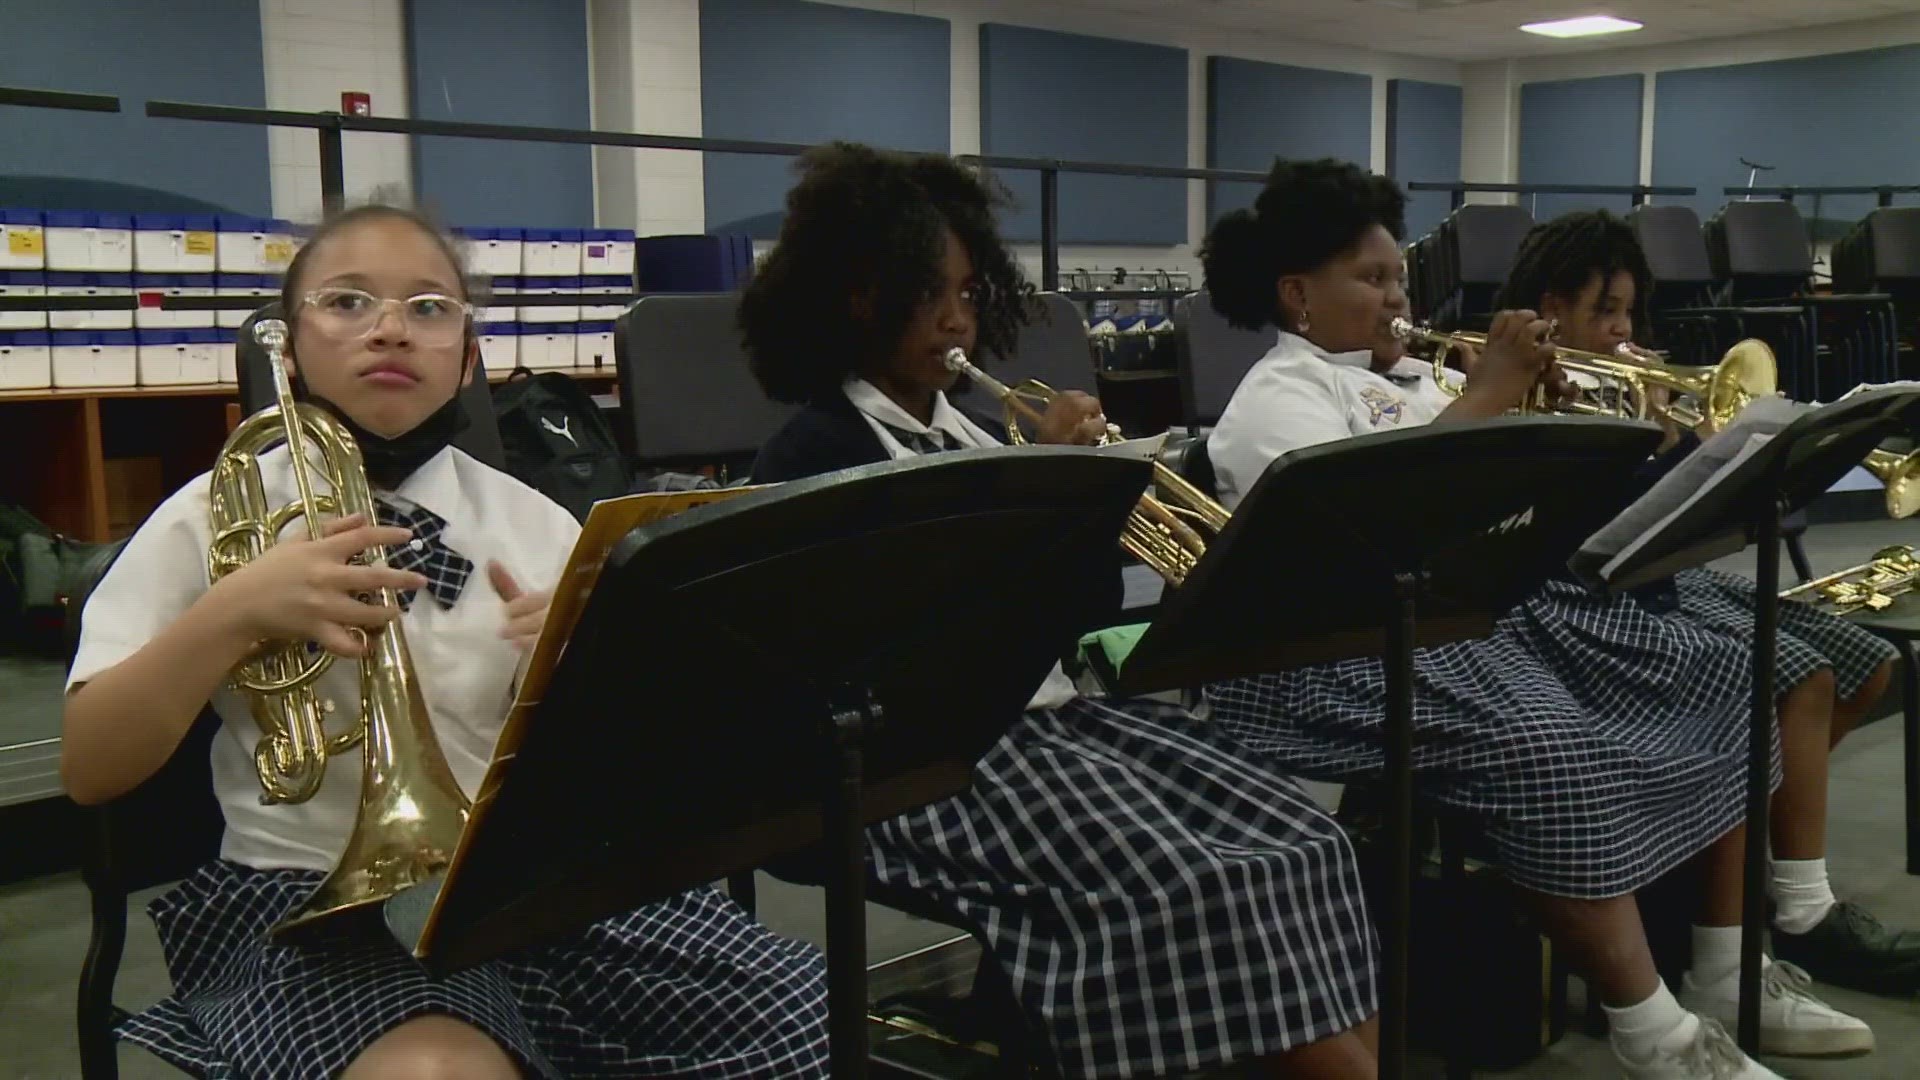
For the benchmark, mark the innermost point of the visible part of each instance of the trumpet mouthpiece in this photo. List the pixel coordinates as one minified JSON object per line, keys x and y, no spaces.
{"x":270,"y":332}
{"x":957,"y":359}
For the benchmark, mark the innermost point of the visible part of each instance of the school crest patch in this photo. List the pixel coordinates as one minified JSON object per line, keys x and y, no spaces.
{"x":1382,"y":406}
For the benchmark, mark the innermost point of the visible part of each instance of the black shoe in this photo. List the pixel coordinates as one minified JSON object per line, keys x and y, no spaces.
{"x":1850,"y":948}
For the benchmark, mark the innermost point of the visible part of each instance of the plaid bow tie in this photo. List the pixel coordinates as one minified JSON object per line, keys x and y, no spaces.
{"x":446,"y":569}
{"x":931,"y":441}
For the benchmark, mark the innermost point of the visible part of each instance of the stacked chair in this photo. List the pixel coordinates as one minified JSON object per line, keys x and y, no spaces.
{"x":1762,"y":255}
{"x":1881,"y":254}
{"x":1454,"y":272}
{"x":1691,"y":323}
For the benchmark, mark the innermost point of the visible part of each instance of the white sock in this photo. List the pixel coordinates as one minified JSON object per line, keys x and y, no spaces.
{"x":1716,"y":955}
{"x":1659,"y":1022}
{"x":1802,"y":895}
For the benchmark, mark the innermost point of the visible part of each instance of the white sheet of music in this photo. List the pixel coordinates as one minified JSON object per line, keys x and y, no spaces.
{"x":1687,"y":483}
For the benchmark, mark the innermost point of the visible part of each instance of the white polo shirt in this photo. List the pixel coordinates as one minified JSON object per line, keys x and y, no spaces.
{"x":1300,"y":395}
{"x":467,"y":671}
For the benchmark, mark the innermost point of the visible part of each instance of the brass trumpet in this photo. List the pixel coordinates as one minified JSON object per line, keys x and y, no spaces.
{"x":1872,"y":585}
{"x":1901,"y":474}
{"x":1165,"y":535}
{"x":1718,"y":391}
{"x":411,"y":809}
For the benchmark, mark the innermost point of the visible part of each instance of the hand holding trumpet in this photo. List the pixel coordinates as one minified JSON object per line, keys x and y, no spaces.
{"x":1516,"y":363}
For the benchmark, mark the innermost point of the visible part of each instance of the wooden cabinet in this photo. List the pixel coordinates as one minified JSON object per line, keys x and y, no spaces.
{"x":92,"y":463}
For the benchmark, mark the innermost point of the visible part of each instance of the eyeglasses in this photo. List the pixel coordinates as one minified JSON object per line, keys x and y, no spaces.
{"x":434,"y":317}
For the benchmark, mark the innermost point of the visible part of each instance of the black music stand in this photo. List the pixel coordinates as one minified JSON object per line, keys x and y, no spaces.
{"x":1379,"y":545}
{"x":1795,"y":466}
{"x":778,"y":671}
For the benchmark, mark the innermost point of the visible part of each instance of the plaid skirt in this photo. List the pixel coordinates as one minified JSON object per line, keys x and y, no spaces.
{"x":1161,"y":900}
{"x":689,"y":986}
{"x":1809,"y":639}
{"x":1599,"y":745}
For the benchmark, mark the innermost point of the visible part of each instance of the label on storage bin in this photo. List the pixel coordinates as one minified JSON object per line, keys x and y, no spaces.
{"x":199,"y":243}
{"x":279,"y":251}
{"x":25,"y":240}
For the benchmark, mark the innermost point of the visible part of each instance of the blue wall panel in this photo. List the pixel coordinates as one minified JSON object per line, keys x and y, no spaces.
{"x":501,"y":62}
{"x":791,"y":71}
{"x":1580,"y":131}
{"x":1423,"y":143}
{"x":203,"y":52}
{"x":1064,"y":96}
{"x":1843,"y":119}
{"x":1257,"y":112}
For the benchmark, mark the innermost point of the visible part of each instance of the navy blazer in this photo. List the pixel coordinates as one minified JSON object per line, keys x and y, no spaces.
{"x":831,"y":435}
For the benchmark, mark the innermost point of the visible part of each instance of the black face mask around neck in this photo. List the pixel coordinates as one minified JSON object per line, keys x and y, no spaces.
{"x":390,"y":461}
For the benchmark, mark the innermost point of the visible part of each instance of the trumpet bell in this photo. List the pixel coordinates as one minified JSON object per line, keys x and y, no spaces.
{"x":1748,"y":371}
{"x":1901,"y":474}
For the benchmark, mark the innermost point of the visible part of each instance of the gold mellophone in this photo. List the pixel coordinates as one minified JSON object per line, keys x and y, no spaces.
{"x":411,"y":810}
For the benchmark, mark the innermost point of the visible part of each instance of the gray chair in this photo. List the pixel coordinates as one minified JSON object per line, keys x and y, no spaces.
{"x":158,"y":832}
{"x":1052,"y":348}
{"x":686,"y":387}
{"x":480,"y":438}
{"x":1213,"y":357}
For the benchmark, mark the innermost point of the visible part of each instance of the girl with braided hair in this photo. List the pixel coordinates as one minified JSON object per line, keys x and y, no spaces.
{"x":1586,"y":273}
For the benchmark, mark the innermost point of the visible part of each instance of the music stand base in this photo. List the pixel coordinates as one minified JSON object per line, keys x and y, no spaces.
{"x":853,"y":717}
{"x":1766,"y":622}
{"x":1398,"y":663}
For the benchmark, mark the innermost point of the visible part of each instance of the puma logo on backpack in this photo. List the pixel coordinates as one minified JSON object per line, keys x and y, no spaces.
{"x":557,"y":441}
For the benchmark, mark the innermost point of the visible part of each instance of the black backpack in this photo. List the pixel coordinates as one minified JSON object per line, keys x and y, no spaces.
{"x":557,"y":441}
{"x":39,"y":570}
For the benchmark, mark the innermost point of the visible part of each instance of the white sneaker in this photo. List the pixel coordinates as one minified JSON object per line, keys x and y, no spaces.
{"x":1793,"y":1022}
{"x":1711,"y":1055}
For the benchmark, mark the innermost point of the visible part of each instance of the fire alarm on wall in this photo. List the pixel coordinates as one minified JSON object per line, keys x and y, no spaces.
{"x":355,"y":103}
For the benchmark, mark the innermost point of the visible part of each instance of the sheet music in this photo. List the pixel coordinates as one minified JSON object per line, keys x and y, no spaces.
{"x":1146,"y":449}
{"x":608,"y":522}
{"x":1686,"y":484}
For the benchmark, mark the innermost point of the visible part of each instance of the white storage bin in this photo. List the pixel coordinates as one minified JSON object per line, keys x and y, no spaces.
{"x":95,"y":358}
{"x":533,"y":347}
{"x":61,"y":283}
{"x":284,"y":238}
{"x":551,"y":253}
{"x":178,"y":357}
{"x":26,"y":360}
{"x":500,"y":346}
{"x":500,"y":309}
{"x":153,"y":318}
{"x":549,"y":345}
{"x":175,"y":243}
{"x":248,"y":245}
{"x":89,"y":241}
{"x":549,"y":286}
{"x":224,"y":347}
{"x":593,"y":346}
{"x":262,"y":289}
{"x":23,"y":283}
{"x":605,"y":285}
{"x":492,"y":252}
{"x":23,"y":240}
{"x":607,"y":252}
